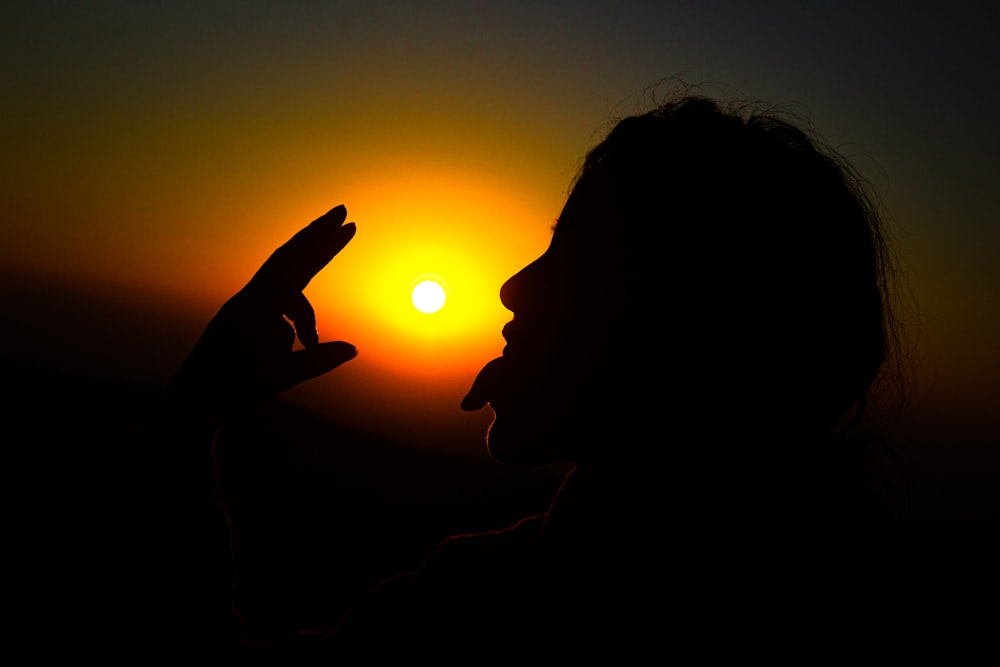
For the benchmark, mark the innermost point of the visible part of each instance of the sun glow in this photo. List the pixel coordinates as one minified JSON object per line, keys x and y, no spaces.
{"x":443,"y":232}
{"x":467,"y":231}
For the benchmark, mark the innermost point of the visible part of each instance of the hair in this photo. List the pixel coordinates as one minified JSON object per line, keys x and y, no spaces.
{"x":773,"y":249}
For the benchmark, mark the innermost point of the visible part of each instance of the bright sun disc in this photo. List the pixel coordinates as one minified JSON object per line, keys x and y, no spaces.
{"x":428,"y":296}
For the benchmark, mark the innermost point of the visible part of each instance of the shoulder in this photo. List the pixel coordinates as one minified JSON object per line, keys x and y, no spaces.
{"x":486,"y":553}
{"x":466,"y":580}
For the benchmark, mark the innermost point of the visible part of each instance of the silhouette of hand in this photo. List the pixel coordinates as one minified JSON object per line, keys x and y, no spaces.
{"x":245,"y":353}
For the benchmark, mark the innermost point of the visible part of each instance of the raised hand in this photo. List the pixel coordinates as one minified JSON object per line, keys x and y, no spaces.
{"x":246,"y":352}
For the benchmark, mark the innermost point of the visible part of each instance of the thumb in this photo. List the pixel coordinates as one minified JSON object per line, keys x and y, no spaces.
{"x":314,"y":361}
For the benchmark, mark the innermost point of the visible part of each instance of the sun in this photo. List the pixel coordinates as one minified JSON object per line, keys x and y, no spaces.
{"x":428,"y":296}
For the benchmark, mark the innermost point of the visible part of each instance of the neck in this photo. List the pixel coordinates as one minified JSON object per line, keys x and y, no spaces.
{"x":602,"y":494}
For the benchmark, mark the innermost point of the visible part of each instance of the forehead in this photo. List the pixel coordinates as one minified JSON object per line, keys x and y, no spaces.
{"x":613,"y":229}
{"x":645,"y":232}
{"x":589,"y":212}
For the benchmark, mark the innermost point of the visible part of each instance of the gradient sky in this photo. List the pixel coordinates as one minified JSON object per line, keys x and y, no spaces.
{"x":162,"y":149}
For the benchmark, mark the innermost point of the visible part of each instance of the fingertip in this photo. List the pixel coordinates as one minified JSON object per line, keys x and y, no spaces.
{"x":335,"y":215}
{"x":337,"y":353}
{"x":339,"y":349}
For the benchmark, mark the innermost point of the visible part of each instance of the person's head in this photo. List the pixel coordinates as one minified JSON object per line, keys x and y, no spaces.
{"x":712,"y":272}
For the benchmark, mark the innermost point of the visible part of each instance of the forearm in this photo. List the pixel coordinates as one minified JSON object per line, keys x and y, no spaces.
{"x":174,"y":569}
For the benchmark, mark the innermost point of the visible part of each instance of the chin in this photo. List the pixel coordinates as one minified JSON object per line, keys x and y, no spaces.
{"x":524,"y":444}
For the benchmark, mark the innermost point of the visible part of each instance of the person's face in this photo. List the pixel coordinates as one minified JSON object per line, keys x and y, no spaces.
{"x":549,"y":389}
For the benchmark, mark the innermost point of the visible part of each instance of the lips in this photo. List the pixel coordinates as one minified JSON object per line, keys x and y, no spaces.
{"x":489,"y":378}
{"x":522,"y":358}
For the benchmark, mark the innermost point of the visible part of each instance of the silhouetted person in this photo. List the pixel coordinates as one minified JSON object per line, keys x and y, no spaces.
{"x":706,"y":325}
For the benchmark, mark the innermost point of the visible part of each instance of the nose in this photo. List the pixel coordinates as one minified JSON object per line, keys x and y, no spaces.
{"x":516,"y":293}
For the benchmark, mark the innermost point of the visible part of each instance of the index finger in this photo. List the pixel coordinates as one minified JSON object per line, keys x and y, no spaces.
{"x":290,"y":268}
